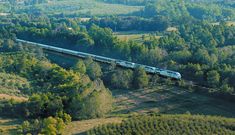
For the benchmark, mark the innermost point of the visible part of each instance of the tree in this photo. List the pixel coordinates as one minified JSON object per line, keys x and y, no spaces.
{"x":52,"y":126}
{"x":213,"y":78}
{"x":140,"y":78}
{"x":93,"y":69}
{"x":225,"y":88}
{"x":97,"y":103}
{"x":80,"y":67}
{"x":122,"y":79}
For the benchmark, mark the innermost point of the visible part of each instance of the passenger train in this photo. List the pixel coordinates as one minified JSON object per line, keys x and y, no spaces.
{"x":126,"y":64}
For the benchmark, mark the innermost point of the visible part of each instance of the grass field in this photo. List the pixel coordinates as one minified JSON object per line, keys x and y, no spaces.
{"x":84,"y":7}
{"x":138,"y":36}
{"x":170,"y":100}
{"x":79,"y":127}
{"x":231,"y":23}
{"x":8,"y":97}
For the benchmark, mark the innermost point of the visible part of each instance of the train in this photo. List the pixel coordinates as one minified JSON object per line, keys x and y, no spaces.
{"x":122,"y":63}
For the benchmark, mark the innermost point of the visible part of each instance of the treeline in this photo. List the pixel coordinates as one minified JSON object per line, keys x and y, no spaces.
{"x":158,"y":23}
{"x":178,"y":10}
{"x":28,"y":2}
{"x":168,"y":124}
{"x":128,"y":2}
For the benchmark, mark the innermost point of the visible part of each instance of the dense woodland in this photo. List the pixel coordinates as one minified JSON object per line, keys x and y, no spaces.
{"x":201,"y":48}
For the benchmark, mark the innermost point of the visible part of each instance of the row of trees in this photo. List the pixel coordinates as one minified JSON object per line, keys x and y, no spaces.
{"x":157,"y":23}
{"x":168,"y":124}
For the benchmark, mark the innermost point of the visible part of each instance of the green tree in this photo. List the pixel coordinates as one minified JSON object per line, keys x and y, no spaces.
{"x":97,"y":103}
{"x":80,"y":67}
{"x":52,"y":126}
{"x":122,"y":79}
{"x":213,"y":78}
{"x":93,"y":69}
{"x":141,"y":79}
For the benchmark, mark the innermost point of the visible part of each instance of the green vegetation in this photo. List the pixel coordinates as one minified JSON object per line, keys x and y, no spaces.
{"x":46,"y":93}
{"x":194,"y":50}
{"x":13,"y":84}
{"x":77,"y":8}
{"x":168,"y":124}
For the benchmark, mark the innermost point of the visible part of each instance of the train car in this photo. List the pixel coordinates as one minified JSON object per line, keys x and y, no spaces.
{"x":158,"y":70}
{"x":171,"y":74}
{"x":150,"y":69}
{"x":104,"y":59}
{"x":126,"y":64}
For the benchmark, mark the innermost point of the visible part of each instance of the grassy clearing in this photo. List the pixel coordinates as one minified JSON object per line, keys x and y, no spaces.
{"x":9,"y":97}
{"x":11,"y":84}
{"x":137,"y":36}
{"x":9,"y":126}
{"x":231,"y":23}
{"x":171,"y":29}
{"x":170,"y":100}
{"x":79,"y":127}
{"x":84,"y":7}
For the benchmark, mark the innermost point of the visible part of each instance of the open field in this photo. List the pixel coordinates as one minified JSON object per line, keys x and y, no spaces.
{"x":79,"y":127}
{"x":9,"y":126}
{"x":170,"y":100}
{"x":83,"y":7}
{"x":8,"y":97}
{"x":138,"y":36}
{"x":229,"y":23}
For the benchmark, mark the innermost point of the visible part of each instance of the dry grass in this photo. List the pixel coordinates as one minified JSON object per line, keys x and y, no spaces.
{"x":171,"y":29}
{"x":9,"y":126}
{"x":84,"y":19}
{"x":79,"y":127}
{"x":230,"y":23}
{"x":138,"y":36}
{"x":8,"y":97}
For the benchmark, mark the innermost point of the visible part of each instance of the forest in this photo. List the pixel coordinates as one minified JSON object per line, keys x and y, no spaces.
{"x":47,"y":95}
